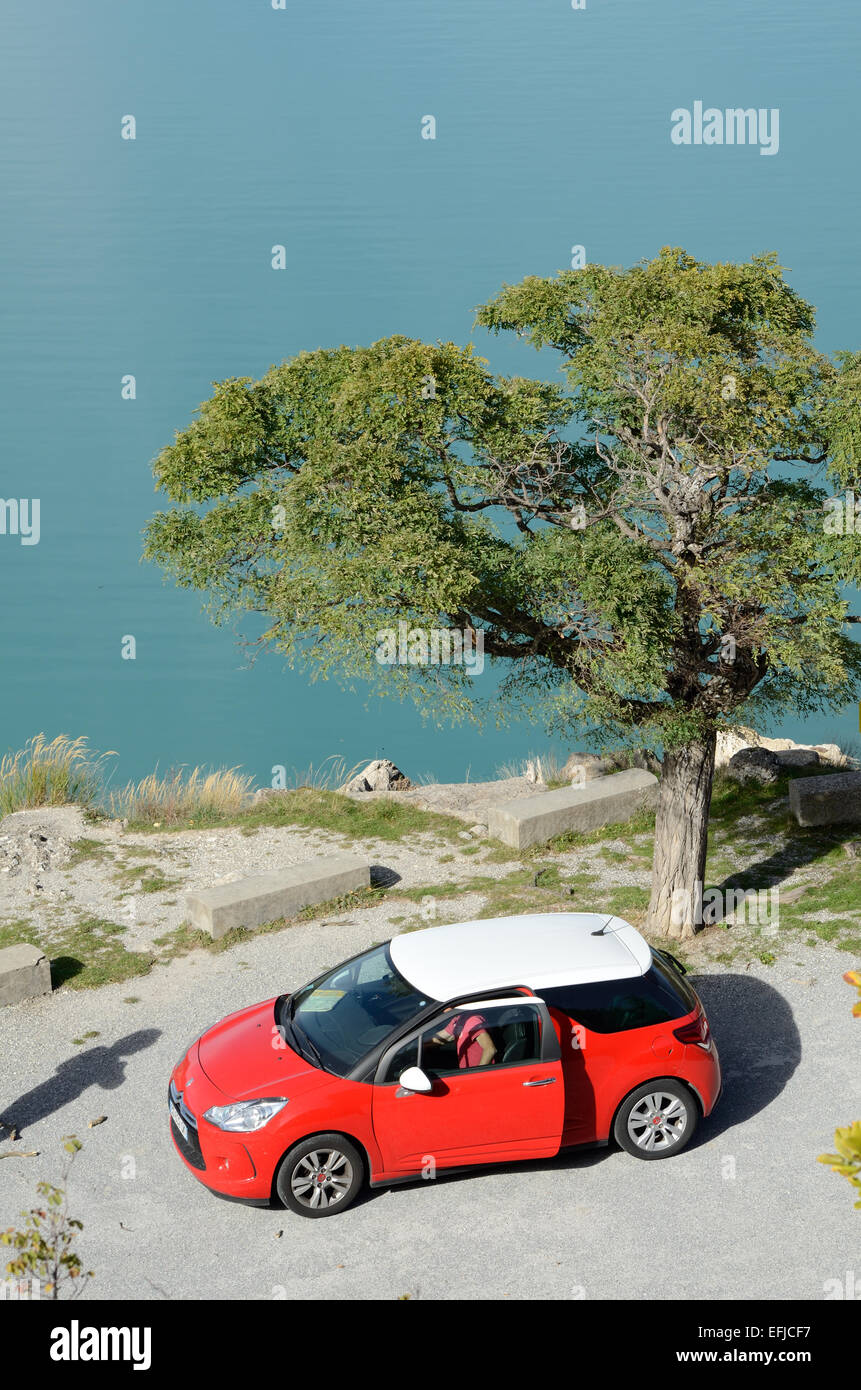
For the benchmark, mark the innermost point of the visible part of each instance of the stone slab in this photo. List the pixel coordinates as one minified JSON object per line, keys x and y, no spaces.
{"x":533,"y":820}
{"x":251,"y":902}
{"x":25,"y":973}
{"x":826,"y":800}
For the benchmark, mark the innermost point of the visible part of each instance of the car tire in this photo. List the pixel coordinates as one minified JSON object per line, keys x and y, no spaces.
{"x":298,"y":1182}
{"x":658,"y":1119}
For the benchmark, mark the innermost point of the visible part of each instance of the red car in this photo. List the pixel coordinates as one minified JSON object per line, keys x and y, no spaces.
{"x":481,"y":1042}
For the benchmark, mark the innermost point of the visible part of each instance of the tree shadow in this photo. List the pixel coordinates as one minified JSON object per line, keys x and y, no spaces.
{"x":96,"y":1066}
{"x":803,"y":845}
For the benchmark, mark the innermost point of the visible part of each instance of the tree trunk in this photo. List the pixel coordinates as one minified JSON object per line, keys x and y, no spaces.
{"x":681,"y":840}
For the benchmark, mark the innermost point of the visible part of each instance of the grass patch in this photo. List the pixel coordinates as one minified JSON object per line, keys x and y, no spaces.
{"x":85,"y":850}
{"x":183,"y":797}
{"x":19,"y":933}
{"x":627,"y":901}
{"x":151,"y":881}
{"x":643,"y":821}
{"x":60,"y":773}
{"x":529,"y":888}
{"x":91,"y":952}
{"x":318,"y":809}
{"x":83,"y":954}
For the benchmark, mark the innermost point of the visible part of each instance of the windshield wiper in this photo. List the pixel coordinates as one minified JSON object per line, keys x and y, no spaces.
{"x":308,"y":1043}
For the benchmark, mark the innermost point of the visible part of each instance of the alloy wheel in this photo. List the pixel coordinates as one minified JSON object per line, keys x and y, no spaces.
{"x":321,"y":1178}
{"x":657,"y":1121}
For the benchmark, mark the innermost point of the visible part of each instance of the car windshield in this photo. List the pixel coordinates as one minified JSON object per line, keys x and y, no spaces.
{"x":338,"y":1019}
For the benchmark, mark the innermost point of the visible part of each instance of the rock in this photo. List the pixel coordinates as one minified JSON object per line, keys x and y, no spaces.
{"x":829,"y":800}
{"x":830,"y":753}
{"x":252,"y":902}
{"x":378,"y":776}
{"x":25,"y":973}
{"x":754,"y":765}
{"x":32,"y":842}
{"x":478,"y":830}
{"x":533,"y":820}
{"x":646,"y":761}
{"x":794,"y":893}
{"x":852,"y":848}
{"x":585,"y":767}
{"x":798,"y":757}
{"x":731,"y":741}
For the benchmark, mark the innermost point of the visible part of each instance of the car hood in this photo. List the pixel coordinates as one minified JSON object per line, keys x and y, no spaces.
{"x":245,"y":1057}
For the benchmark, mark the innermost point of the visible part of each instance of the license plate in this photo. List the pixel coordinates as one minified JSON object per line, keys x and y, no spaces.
{"x":180,"y":1123}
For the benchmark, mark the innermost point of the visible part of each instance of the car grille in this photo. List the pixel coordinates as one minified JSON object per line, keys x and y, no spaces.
{"x":190,"y":1147}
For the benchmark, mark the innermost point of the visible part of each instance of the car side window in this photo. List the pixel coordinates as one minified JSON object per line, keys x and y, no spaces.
{"x":469,"y":1038}
{"x":615,"y":1006}
{"x":406,"y":1056}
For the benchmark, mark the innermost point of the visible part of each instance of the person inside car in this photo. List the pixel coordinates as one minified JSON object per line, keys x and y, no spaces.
{"x":475,"y":1047}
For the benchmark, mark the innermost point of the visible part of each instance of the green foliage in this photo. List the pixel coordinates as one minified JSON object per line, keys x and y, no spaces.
{"x":43,"y":1245}
{"x":847,"y":1140}
{"x":353,"y":488}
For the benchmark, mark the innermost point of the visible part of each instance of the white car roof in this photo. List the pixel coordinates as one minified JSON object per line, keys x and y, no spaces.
{"x":538,"y":949}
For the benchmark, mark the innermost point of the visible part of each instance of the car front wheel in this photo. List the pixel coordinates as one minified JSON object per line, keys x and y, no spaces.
{"x":657,"y":1119}
{"x":320,"y":1176}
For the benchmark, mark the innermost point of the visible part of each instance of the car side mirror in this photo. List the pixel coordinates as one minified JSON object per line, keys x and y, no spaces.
{"x":414,"y":1079}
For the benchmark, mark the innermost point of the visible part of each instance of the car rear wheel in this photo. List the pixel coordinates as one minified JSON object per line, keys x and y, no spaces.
{"x":320,"y":1176}
{"x":657,"y":1119}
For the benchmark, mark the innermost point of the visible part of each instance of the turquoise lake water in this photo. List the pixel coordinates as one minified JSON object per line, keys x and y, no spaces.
{"x":301,"y":126}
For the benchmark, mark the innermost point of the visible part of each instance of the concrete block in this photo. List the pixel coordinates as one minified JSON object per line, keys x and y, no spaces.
{"x":250,"y":902}
{"x":798,"y":757}
{"x":533,"y":820}
{"x":826,"y":800}
{"x":25,"y":973}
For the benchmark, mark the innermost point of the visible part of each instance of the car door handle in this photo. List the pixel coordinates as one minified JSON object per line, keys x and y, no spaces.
{"x":547,"y":1081}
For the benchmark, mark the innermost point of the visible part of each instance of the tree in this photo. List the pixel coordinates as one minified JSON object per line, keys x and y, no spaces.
{"x":645,"y":549}
{"x":44,"y":1245}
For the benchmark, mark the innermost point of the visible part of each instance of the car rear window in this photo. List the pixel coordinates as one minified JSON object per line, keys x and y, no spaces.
{"x":614,"y":1006}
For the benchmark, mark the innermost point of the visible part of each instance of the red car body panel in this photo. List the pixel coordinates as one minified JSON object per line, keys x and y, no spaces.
{"x":601,"y":1069}
{"x":496,"y":1115}
{"x":480,"y":1117}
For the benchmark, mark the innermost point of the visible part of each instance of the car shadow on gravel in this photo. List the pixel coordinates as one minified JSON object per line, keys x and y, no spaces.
{"x":102,"y":1067}
{"x":758,"y":1043}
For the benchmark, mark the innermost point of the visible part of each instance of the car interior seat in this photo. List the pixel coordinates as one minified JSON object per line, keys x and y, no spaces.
{"x":517,"y":1039}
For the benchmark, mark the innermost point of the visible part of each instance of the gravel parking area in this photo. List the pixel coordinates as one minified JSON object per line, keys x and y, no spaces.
{"x":745,"y":1212}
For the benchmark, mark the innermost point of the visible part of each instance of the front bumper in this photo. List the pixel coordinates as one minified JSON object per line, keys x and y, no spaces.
{"x":223,"y":1162}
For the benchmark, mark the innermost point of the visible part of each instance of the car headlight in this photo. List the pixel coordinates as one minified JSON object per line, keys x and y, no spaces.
{"x":245,"y":1115}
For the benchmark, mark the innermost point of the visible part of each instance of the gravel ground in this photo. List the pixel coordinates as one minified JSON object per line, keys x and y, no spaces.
{"x":113,"y":882}
{"x":745,"y":1212}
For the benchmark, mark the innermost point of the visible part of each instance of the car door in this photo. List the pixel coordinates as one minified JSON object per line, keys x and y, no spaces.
{"x":508,"y":1108}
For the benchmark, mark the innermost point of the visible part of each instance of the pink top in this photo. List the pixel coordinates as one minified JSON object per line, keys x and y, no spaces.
{"x":465,"y":1028}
